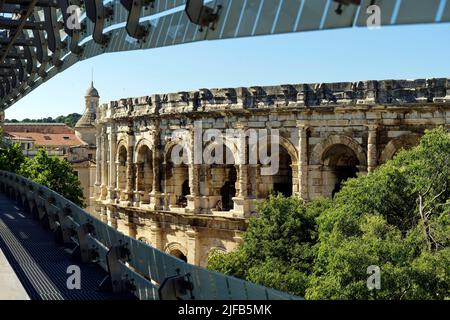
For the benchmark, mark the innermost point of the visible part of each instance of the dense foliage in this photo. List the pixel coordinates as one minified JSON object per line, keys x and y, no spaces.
{"x":52,"y":172}
{"x":70,"y":120}
{"x":396,"y":218}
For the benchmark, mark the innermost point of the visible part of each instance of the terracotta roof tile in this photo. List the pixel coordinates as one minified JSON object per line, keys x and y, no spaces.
{"x":45,"y":134}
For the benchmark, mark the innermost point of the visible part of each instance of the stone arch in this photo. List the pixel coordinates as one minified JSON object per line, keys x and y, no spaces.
{"x":290,"y":148}
{"x":173,"y":143}
{"x":230,"y":145}
{"x":121,"y":143}
{"x":141,"y":143}
{"x":333,"y":161}
{"x":143,"y":161}
{"x":176,"y":175}
{"x":121,"y":161}
{"x":406,"y":141}
{"x":223,"y":177}
{"x":283,"y":142}
{"x":177,"y":250}
{"x":285,"y":180}
{"x":320,"y":149}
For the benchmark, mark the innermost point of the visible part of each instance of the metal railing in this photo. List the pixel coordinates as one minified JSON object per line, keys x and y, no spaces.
{"x":131,"y":264}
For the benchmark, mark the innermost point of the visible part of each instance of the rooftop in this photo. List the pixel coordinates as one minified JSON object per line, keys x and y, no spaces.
{"x":44,"y":134}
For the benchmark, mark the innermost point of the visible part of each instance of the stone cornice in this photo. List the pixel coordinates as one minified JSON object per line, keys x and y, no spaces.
{"x":343,"y":95}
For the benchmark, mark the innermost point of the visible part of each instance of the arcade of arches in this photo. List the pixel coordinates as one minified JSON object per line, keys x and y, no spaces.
{"x":188,"y":210}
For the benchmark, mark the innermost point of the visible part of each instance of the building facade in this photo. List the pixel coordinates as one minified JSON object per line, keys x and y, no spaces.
{"x":55,"y":138}
{"x":325,"y":134}
{"x":83,"y":156}
{"x":76,"y":145}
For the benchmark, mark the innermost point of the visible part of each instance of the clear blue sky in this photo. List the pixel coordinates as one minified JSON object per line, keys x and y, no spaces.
{"x":409,"y":52}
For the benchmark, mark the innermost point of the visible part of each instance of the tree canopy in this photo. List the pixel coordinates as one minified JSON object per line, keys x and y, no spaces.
{"x":70,"y":120}
{"x":396,"y":218}
{"x":52,"y":172}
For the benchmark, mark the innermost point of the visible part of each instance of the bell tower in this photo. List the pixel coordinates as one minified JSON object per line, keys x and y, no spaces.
{"x":85,"y":127}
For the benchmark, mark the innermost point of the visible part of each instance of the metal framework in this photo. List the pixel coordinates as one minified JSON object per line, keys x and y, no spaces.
{"x":40,"y":38}
{"x":132,"y":266}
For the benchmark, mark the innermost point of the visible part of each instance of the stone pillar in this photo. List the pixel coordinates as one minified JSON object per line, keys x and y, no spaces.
{"x":103,"y":214}
{"x":119,"y":191}
{"x":237,"y":239}
{"x":194,"y":179}
{"x":242,"y":203}
{"x":206,"y":189}
{"x":155,"y":195}
{"x":315,"y":175}
{"x":194,"y":186}
{"x":156,"y":239}
{"x":193,"y":249}
{"x":104,"y":149}
{"x":112,"y":165}
{"x":372,"y":154}
{"x":243,"y":181}
{"x":111,"y":217}
{"x":303,"y":160}
{"x":139,"y":168}
{"x":98,"y":163}
{"x":257,"y":180}
{"x":130,"y":168}
{"x":194,"y":176}
{"x":132,"y":230}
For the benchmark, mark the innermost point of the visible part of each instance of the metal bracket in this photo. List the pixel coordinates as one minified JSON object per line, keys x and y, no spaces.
{"x":98,"y":13}
{"x":339,"y":10}
{"x":134,"y":8}
{"x":82,"y":233}
{"x":202,"y":15}
{"x":114,"y":281}
{"x":176,"y":287}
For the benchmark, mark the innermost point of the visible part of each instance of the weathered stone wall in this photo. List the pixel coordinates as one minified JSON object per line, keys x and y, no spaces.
{"x":328,"y":133}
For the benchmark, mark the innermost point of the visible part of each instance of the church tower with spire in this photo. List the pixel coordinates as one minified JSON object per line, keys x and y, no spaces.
{"x":85,"y":127}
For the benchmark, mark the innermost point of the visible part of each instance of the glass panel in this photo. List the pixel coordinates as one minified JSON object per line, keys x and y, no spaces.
{"x":417,"y":11}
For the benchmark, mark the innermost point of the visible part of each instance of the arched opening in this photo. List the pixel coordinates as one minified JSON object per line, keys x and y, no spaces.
{"x":228,"y":190}
{"x":395,"y":145}
{"x":176,"y":178}
{"x":222,"y":175}
{"x":341,"y":163}
{"x":144,"y":173}
{"x":122,"y":168}
{"x":282,"y":181}
{"x":177,"y":253}
{"x":185,"y":191}
{"x":279,"y":176}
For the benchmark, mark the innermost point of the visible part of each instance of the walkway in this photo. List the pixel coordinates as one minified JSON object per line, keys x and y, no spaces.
{"x":39,"y":263}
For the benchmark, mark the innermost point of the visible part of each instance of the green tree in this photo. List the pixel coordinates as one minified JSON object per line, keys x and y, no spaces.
{"x":56,"y":174}
{"x":278,"y":249}
{"x":397,"y":218}
{"x":11,"y":158}
{"x":71,"y":119}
